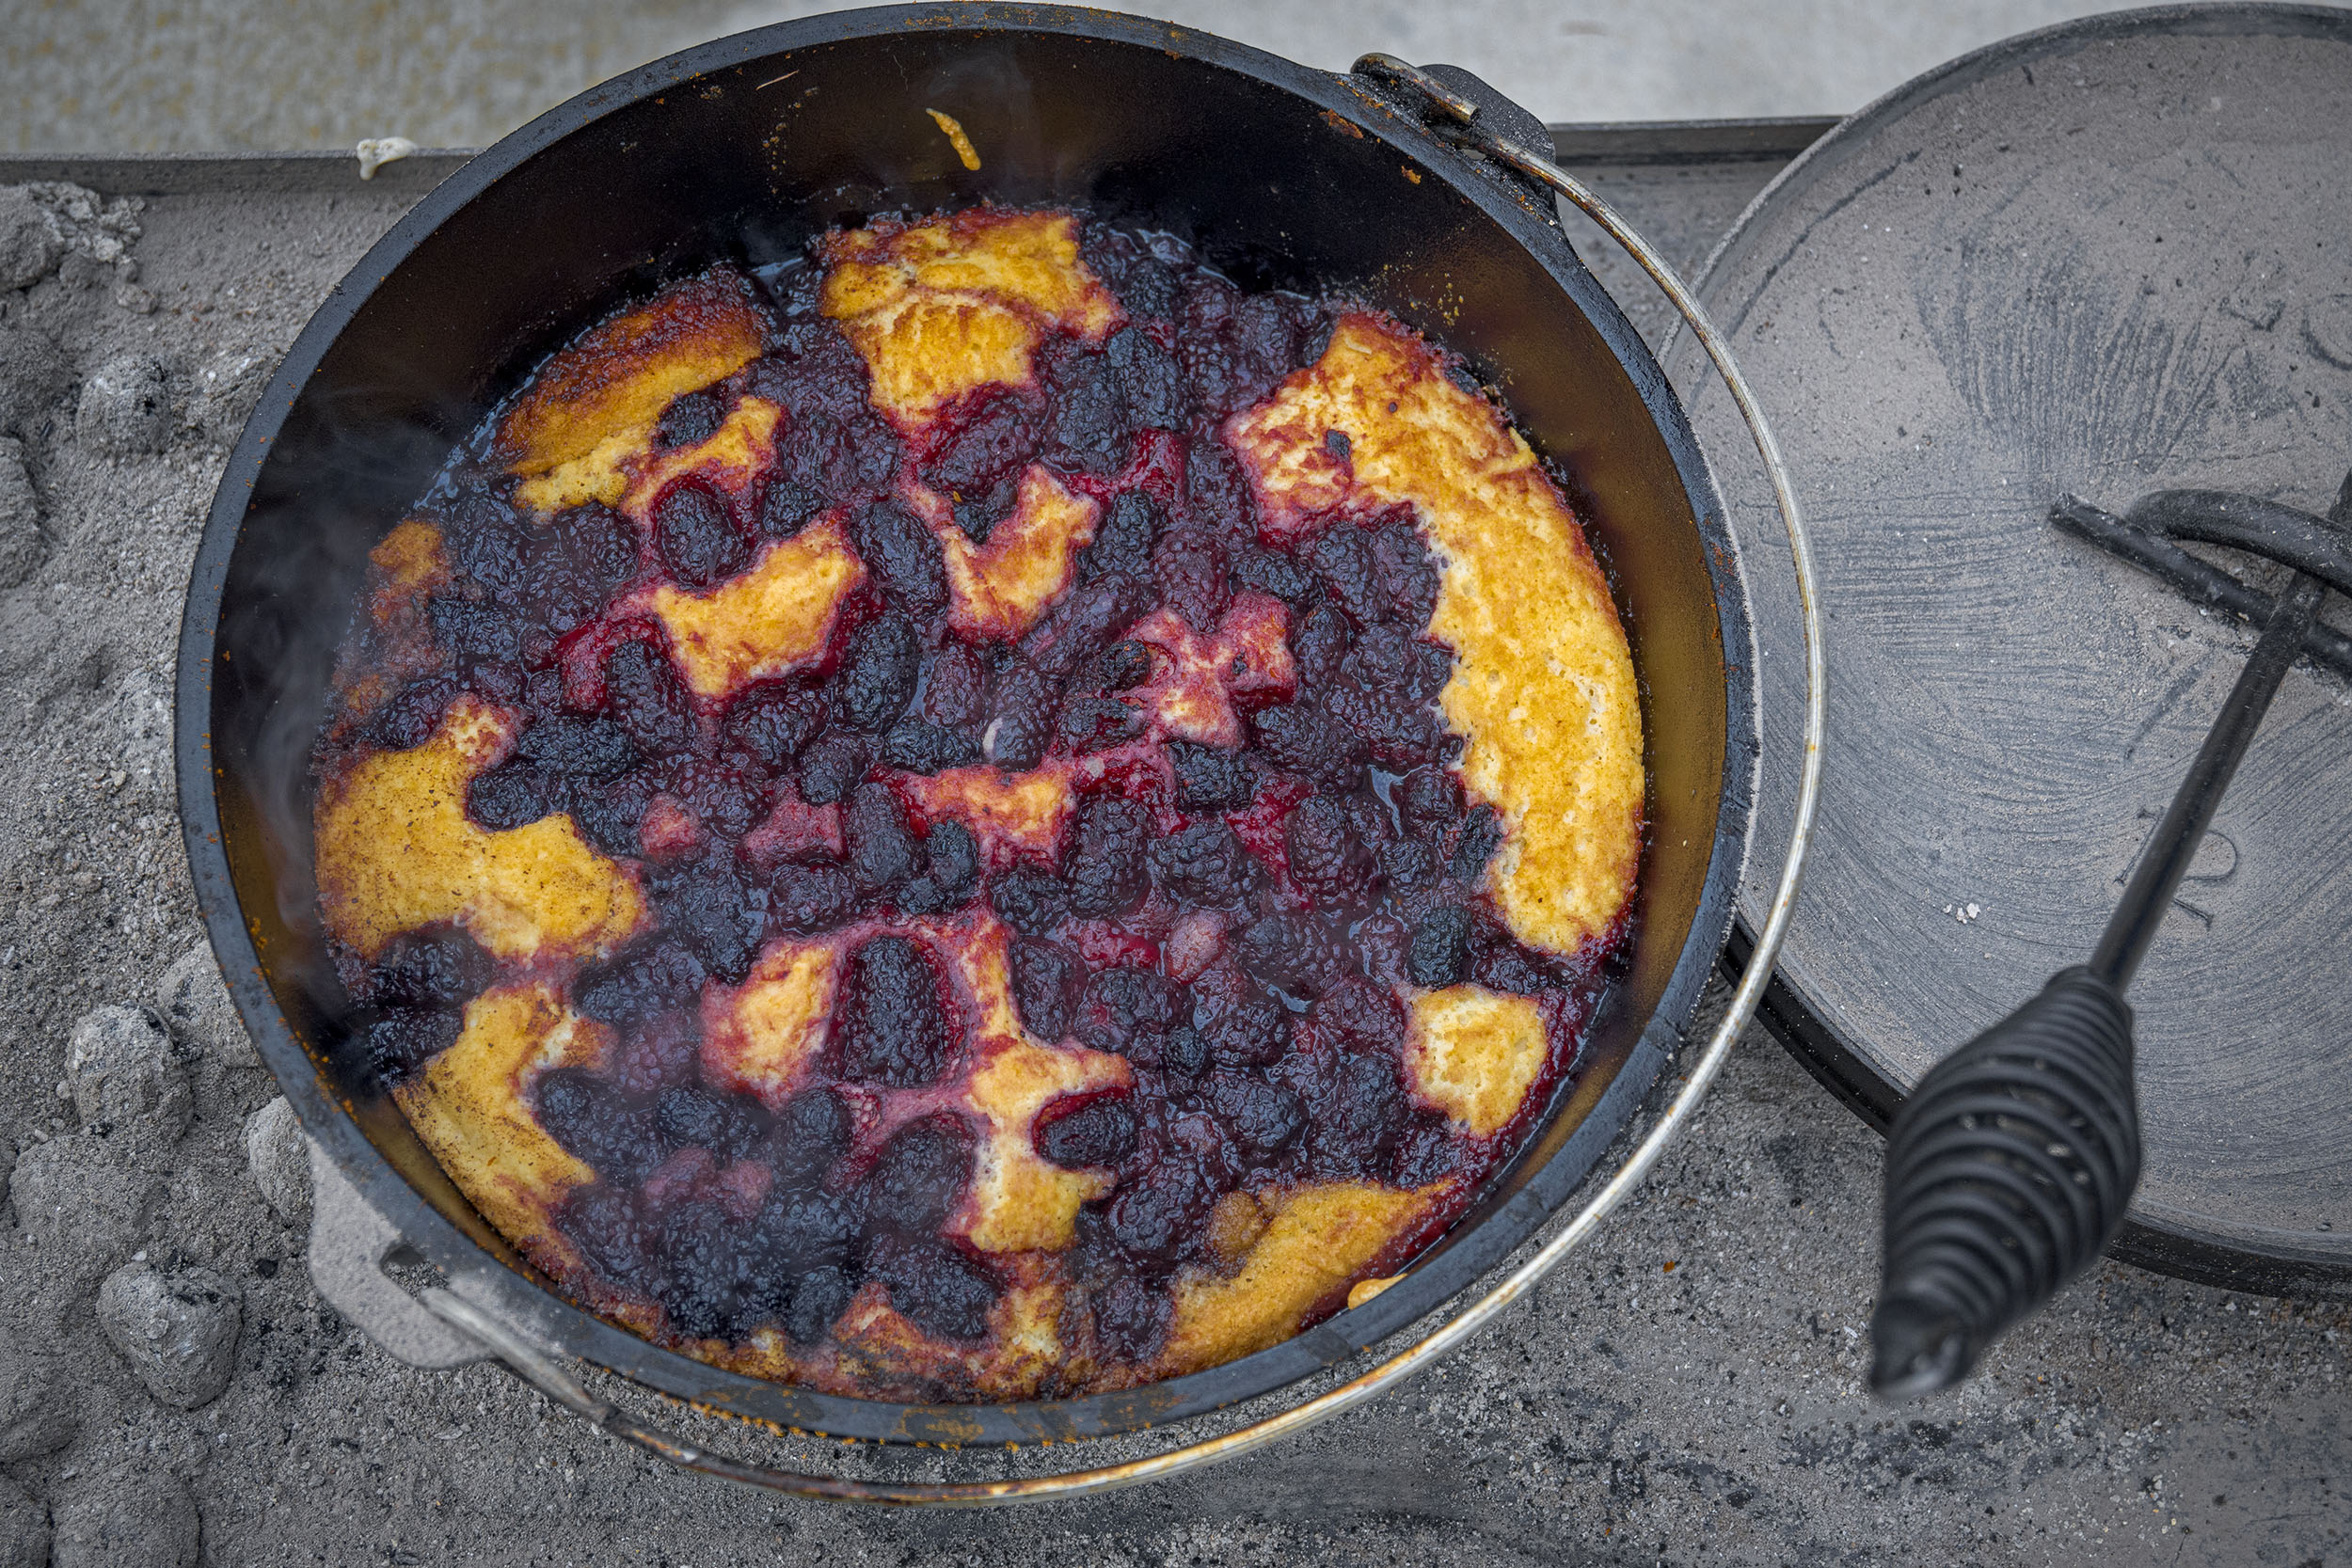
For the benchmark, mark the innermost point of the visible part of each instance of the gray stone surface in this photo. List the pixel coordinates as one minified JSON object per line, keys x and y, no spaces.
{"x":38,"y":1406}
{"x":125,"y":1075}
{"x":19,"y":516}
{"x":1626,"y":1413}
{"x":177,"y":1331}
{"x":125,"y":407}
{"x":279,"y":1157}
{"x":23,"y":1527}
{"x":31,"y":244}
{"x":194,"y":1005}
{"x":131,"y":1516}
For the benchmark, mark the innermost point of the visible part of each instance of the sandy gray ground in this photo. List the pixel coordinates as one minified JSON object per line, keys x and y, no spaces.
{"x":1685,"y":1391}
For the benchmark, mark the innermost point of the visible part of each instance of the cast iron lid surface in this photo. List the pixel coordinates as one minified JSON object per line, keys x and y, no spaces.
{"x":2106,"y":259}
{"x":634,"y":181}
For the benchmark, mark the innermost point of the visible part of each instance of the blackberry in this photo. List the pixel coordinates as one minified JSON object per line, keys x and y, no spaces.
{"x":1241,"y":1024}
{"x":919,"y":1177}
{"x":1441,"y":950}
{"x":810,"y":898}
{"x":1277,"y":575}
{"x":899,"y":550}
{"x":691,"y":419}
{"x":1208,"y":779}
{"x":914,"y":746}
{"x":1203,"y":864}
{"x":951,"y":872}
{"x":1326,"y":859}
{"x":579,"y":748}
{"x":1107,"y":870}
{"x":1475,"y":845}
{"x":1029,"y":902}
{"x":1022,"y":726}
{"x":696,"y":537}
{"x":643,"y":691}
{"x":1097,"y":1132}
{"x":1045,"y":977}
{"x":410,"y":715}
{"x":770,"y":721}
{"x":1123,"y":539}
{"x":882,"y":854}
{"x":651,"y":976}
{"x":727,"y":1125}
{"x":831,"y":769}
{"x":877,"y":677}
{"x":938,"y":1289}
{"x":1120,"y":1009}
{"x":894,"y":1026}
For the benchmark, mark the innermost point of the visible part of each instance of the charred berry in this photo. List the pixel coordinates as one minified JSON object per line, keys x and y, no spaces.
{"x":408,"y":718}
{"x":899,"y":550}
{"x":1277,"y":575}
{"x":691,"y":419}
{"x":1326,"y":859}
{"x":1044,"y":978}
{"x":717,"y":909}
{"x":914,"y":746}
{"x":809,"y":1134}
{"x":1124,"y":540}
{"x":1264,"y":1117}
{"x":1242,"y":1025}
{"x":1219,"y":501}
{"x":1090,"y":725}
{"x":691,"y":1117}
{"x":611,"y":816}
{"x":951,"y":872}
{"x":939,"y":1288}
{"x":1096,"y":1132}
{"x":1160,"y":1219}
{"x":1189,"y":569}
{"x":1022,"y":724}
{"x":596,"y":1125}
{"x":810,"y":898}
{"x":1106,"y":868}
{"x":1408,"y":571}
{"x":1029,"y":901}
{"x":488,"y":544}
{"x":587,"y":555}
{"x":650,"y":976}
{"x":399,"y":1041}
{"x":786,"y":507}
{"x":1131,"y":1319}
{"x":1319,"y":642}
{"x":919,"y":1177}
{"x":643,"y":691}
{"x":1208,"y":779}
{"x":882,"y":853}
{"x":1362,"y":1014}
{"x":1119,"y":1008}
{"x":1203,"y":865}
{"x":1480,"y":837}
{"x":579,"y":748}
{"x":1429,"y":798}
{"x":439,"y":966}
{"x":1439,"y":954}
{"x":1082,"y":624}
{"x":772,"y":721}
{"x":819,"y":1297}
{"x":1299,"y":954}
{"x":991,"y":437}
{"x":1304,"y":738}
{"x":696,"y":539}
{"x":955,"y":688}
{"x":894,"y":1025}
{"x":512,"y":795}
{"x":831,"y":769}
{"x":877,"y":677}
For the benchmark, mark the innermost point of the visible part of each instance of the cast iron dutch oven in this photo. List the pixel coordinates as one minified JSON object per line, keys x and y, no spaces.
{"x":746,"y":147}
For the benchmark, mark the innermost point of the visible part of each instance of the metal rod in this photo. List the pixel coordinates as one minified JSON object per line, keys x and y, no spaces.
{"x":2174,"y":844}
{"x":2201,"y":581}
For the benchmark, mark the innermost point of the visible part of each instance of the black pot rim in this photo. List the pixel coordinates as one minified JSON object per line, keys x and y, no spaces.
{"x":1453,"y":1264}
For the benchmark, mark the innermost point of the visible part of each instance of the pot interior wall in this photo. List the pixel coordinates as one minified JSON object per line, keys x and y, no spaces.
{"x":763,"y":149}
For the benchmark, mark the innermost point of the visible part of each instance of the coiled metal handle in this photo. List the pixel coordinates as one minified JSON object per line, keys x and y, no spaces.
{"x":2011,"y":1166}
{"x":2008,"y":1172}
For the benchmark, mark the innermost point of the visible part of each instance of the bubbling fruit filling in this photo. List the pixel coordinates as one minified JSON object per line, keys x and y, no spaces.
{"x":973,"y":819}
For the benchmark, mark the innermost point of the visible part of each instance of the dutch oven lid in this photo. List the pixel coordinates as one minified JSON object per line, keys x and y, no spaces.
{"x":2104,"y":259}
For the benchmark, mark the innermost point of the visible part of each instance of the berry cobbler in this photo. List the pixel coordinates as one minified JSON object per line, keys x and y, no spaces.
{"x":986,"y":816}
